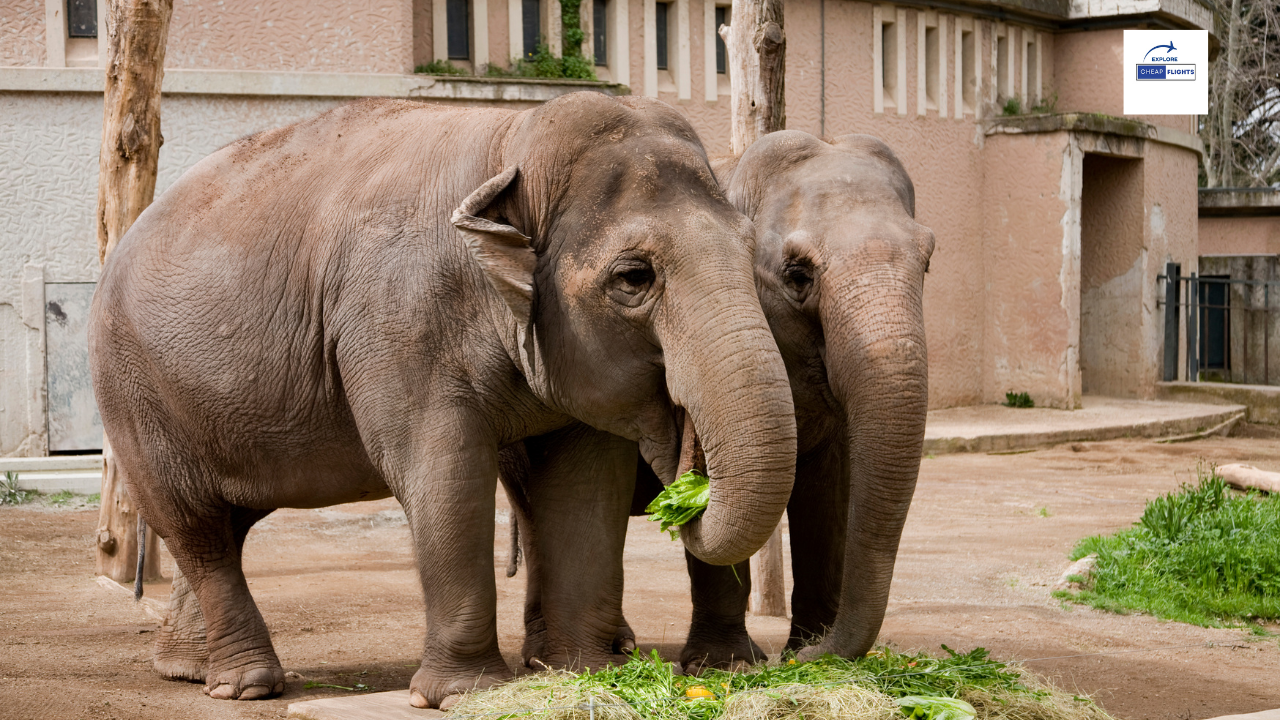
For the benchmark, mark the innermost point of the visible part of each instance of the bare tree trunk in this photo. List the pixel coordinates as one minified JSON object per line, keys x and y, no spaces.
{"x":757,"y":50}
{"x":138,"y":31}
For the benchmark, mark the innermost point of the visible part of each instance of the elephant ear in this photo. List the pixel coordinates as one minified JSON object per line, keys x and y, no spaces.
{"x":503,"y":252}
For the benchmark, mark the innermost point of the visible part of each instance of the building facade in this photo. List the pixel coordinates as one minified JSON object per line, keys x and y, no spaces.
{"x":1053,"y":212}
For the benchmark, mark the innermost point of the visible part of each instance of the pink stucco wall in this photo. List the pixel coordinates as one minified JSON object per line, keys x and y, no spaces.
{"x":22,"y":33}
{"x":1089,"y":77}
{"x":1239,"y":235}
{"x":373,"y":36}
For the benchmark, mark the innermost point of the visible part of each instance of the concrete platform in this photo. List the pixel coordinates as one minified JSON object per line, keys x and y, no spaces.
{"x":996,"y":428}
{"x":393,"y":705}
{"x":1264,"y":715}
{"x":1262,"y":401}
{"x":81,"y":474}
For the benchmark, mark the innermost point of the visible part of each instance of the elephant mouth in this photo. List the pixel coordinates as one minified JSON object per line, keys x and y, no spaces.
{"x":691,"y":456}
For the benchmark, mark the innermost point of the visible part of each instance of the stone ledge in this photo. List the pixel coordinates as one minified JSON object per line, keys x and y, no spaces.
{"x":303,"y":84}
{"x":1239,"y":202}
{"x":393,"y":705}
{"x":1262,"y":401}
{"x":1094,"y":123}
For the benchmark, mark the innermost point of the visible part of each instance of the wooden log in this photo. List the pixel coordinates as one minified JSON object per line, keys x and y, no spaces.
{"x":138,"y":31}
{"x":1248,"y":477}
{"x":757,"y":49}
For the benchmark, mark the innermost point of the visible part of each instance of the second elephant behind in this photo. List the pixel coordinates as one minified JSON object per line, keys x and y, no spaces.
{"x":840,"y":268}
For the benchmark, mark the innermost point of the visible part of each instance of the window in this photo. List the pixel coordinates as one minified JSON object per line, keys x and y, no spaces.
{"x":1002,"y":67}
{"x":1030,"y":83}
{"x":82,"y":18}
{"x":889,"y":62}
{"x":458,"y":14}
{"x":531,"y":23}
{"x":968,"y":70}
{"x":932,"y":64}
{"x":722,"y":18}
{"x":660,"y":28}
{"x":599,"y":28}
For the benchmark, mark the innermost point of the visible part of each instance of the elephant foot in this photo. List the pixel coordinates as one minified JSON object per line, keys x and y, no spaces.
{"x":734,"y":652}
{"x":573,"y":660}
{"x":435,"y":688}
{"x":190,"y":669}
{"x":834,"y":646}
{"x":624,"y":641}
{"x":246,"y":683}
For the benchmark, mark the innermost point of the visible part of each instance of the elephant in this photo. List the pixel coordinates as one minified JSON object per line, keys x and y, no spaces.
{"x":375,"y":301}
{"x":840,"y":267}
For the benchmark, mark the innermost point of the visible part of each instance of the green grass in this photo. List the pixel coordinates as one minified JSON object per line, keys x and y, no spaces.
{"x":440,"y":67}
{"x":542,"y":64}
{"x":1203,"y":555}
{"x":884,"y":685}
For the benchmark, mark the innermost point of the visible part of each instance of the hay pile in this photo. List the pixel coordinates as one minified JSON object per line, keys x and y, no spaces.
{"x":885,"y":685}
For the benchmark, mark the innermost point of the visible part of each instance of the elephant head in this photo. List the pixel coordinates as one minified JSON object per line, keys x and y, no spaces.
{"x":840,"y":268}
{"x":630,"y":300}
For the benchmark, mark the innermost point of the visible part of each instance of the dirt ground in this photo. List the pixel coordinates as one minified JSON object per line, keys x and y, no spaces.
{"x":986,"y":538}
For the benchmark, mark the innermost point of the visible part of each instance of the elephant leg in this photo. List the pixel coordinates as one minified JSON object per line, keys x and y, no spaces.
{"x":580,"y":486}
{"x":182,"y":649}
{"x":514,"y":472}
{"x":447,"y":488}
{"x":817,"y":517}
{"x":241,"y":664}
{"x":718,"y":635}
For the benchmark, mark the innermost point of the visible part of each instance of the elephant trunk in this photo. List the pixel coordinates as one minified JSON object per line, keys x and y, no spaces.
{"x":736,"y":392}
{"x":878,"y":369}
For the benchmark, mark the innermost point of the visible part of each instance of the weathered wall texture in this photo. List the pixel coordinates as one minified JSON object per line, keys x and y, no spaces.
{"x":1031,"y":251}
{"x":22,"y":33}
{"x":1254,"y":335}
{"x":1113,"y":263}
{"x":1239,"y":235}
{"x":1089,"y":77}
{"x":373,"y":36}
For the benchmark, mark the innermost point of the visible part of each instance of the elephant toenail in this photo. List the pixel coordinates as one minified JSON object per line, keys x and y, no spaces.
{"x":449,"y":701}
{"x":417,"y":700}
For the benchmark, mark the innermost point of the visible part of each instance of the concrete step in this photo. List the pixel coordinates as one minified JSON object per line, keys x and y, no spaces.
{"x":995,"y":428}
{"x":393,"y":705}
{"x":80,"y":474}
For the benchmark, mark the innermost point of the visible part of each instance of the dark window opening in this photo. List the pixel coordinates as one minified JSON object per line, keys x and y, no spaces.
{"x":82,"y":18}
{"x":721,"y":17}
{"x":598,"y":35}
{"x":458,"y":21}
{"x":660,"y":23}
{"x":532,"y":19}
{"x":1215,"y":335}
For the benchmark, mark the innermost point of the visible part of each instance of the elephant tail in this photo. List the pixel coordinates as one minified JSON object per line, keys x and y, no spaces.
{"x":513,"y":561}
{"x":142,"y":559}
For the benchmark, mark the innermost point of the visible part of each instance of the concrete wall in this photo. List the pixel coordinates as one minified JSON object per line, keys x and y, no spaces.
{"x":1239,"y":235}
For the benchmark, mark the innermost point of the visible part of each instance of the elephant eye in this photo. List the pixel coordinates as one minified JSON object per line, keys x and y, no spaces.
{"x":639,"y":278}
{"x":798,"y":277}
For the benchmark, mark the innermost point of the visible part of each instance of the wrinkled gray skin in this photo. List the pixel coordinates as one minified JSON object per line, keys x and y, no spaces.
{"x":375,"y":301}
{"x":840,"y":273}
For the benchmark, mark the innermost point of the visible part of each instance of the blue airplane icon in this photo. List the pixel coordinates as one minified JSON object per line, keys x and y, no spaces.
{"x":1170,"y":46}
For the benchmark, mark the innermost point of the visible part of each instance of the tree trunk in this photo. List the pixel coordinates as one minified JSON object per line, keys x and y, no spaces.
{"x":138,"y":30}
{"x":757,"y":49}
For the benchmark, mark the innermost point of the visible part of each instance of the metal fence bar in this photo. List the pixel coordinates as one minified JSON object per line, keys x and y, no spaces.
{"x":1172,"y":299}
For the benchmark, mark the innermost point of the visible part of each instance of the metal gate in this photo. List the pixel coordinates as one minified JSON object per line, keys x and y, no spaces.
{"x":1228,"y":327}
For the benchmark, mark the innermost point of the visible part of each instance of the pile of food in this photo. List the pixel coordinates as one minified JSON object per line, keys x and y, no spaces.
{"x":885,"y":685}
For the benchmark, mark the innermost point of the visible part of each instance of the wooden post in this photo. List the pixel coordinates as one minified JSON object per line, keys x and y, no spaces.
{"x":138,"y":31}
{"x":757,"y":52}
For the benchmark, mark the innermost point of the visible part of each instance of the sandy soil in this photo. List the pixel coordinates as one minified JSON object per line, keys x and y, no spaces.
{"x":987,"y":537}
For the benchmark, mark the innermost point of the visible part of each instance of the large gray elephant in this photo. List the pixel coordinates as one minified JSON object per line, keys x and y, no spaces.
{"x":375,"y":301}
{"x":840,"y":271}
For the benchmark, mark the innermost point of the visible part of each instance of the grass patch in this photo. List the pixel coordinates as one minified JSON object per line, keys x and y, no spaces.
{"x":11,"y":494}
{"x":885,"y":685}
{"x":1202,"y":555}
{"x":440,"y":67}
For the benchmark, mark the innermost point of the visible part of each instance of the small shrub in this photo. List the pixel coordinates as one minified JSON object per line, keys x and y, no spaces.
{"x":11,"y":494}
{"x":1018,"y":400}
{"x":1047,"y":104}
{"x":1012,"y":106}
{"x":60,"y":498}
{"x":440,"y":67}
